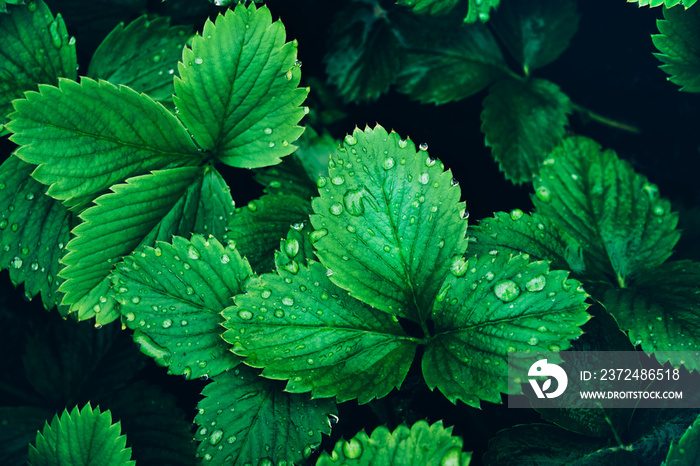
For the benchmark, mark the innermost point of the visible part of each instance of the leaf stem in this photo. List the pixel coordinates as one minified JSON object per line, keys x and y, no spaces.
{"x":604,"y":120}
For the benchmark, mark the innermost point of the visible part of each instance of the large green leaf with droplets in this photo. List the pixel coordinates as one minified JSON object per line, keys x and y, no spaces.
{"x":143,"y":55}
{"x":678,"y":43}
{"x":685,"y":451}
{"x":661,"y":311}
{"x":301,"y":327}
{"x":491,"y":306}
{"x":616,"y":215}
{"x":536,"y":32}
{"x":454,"y":69}
{"x":246,"y":419}
{"x":243,"y":105}
{"x":34,"y":229}
{"x":84,"y":437}
{"x":34,"y":48}
{"x":522,"y":122}
{"x":86,"y":137}
{"x":388,"y":223}
{"x":258,"y":228}
{"x":173,"y":295}
{"x":420,"y":445}
{"x":145,"y":209}
{"x":533,"y":234}
{"x":666,"y":3}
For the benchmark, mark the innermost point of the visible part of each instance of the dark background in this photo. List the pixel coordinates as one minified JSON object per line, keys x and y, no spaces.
{"x":608,"y":68}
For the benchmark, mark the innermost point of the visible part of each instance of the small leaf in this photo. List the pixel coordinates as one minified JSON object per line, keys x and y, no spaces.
{"x":614,"y":213}
{"x":531,"y":234}
{"x":81,"y":438}
{"x":545,"y":445}
{"x":34,"y":229}
{"x":142,"y":55}
{"x":455,"y":69}
{"x":661,"y":312}
{"x":536,"y":32}
{"x":86,"y":137}
{"x":243,"y":105}
{"x":678,"y":43}
{"x":421,"y":444}
{"x":173,"y":295}
{"x":686,"y":451}
{"x":389,"y":222}
{"x":246,"y":419}
{"x":480,"y":10}
{"x":35,"y":49}
{"x":495,"y":305}
{"x":365,"y":53}
{"x":299,"y":326}
{"x":522,"y":122}
{"x":145,"y":209}
{"x":258,"y":228}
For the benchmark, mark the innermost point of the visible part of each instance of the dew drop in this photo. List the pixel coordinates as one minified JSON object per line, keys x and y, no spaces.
{"x":189,"y":290}
{"x":267,"y":131}
{"x":350,"y":140}
{"x":338,"y":180}
{"x":245,"y":315}
{"x":3,"y":224}
{"x":318,"y":234}
{"x":167,"y":323}
{"x":533,"y":341}
{"x":321,"y":181}
{"x":537,"y":283}
{"x":516,"y":214}
{"x":279,"y":313}
{"x":288,"y":301}
{"x":543,"y":194}
{"x":388,"y":163}
{"x":424,"y":178}
{"x":192,"y":252}
{"x":423,"y":146}
{"x":336,"y":209}
{"x":225,"y":259}
{"x":216,"y":436}
{"x":506,"y":290}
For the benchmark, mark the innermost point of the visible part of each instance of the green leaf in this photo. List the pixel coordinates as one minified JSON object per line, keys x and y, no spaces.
{"x":666,"y":3}
{"x":615,"y":214}
{"x":78,"y":438}
{"x":454,"y":69}
{"x":536,"y":32}
{"x":18,"y":428}
{"x":661,"y":311}
{"x":490,"y":307}
{"x":365,"y":52}
{"x":142,"y":55}
{"x":34,"y":48}
{"x":258,"y":228}
{"x":522,"y":122}
{"x":678,"y":43}
{"x":173,"y":295}
{"x":245,"y":419}
{"x":87,"y":137}
{"x":546,"y":445}
{"x":686,"y":451}
{"x":531,"y":234}
{"x":388,"y":231}
{"x":159,"y":431}
{"x":299,"y":326}
{"x":242,"y":105}
{"x":145,"y":209}
{"x":422,"y":444}
{"x":34,"y":228}
{"x":296,"y":248}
